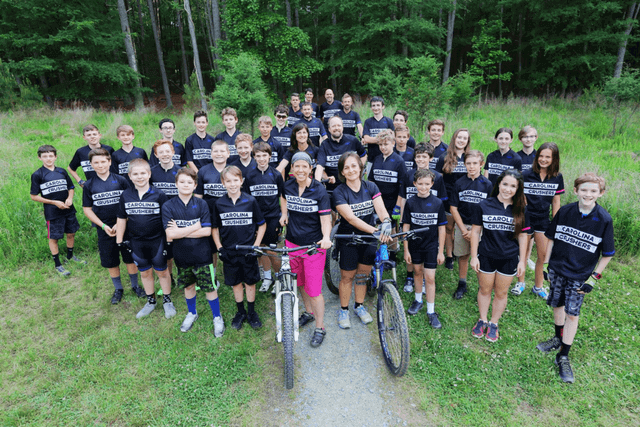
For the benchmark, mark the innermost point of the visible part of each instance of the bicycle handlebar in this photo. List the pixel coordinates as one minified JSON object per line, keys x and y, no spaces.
{"x":409,"y":235}
{"x":308,"y":248}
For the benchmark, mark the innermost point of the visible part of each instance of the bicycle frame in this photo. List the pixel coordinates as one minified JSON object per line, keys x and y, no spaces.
{"x":286,"y":283}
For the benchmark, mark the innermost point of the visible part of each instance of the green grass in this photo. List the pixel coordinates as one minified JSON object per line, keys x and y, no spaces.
{"x":70,"y":358}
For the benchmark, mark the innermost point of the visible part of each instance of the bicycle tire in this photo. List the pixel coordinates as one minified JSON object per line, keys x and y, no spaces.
{"x":393,"y":329}
{"x":287,"y":339}
{"x":332,"y":267}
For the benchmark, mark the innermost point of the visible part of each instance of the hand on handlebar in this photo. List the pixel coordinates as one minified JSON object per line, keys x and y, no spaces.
{"x":324,"y":243}
{"x":382,"y":237}
{"x":386,"y":227}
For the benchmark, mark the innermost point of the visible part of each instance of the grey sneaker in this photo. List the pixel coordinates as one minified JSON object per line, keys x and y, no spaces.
{"x":564,"y":369}
{"x":550,"y":345}
{"x":218,"y":327}
{"x":408,"y":285}
{"x":415,"y":307}
{"x":434,"y":321}
{"x":188,"y":322}
{"x":146,"y":310}
{"x":266,"y":284}
{"x":76,"y":260}
{"x":62,"y":271}
{"x":343,"y":319}
{"x":169,"y":310}
{"x":364,"y":315}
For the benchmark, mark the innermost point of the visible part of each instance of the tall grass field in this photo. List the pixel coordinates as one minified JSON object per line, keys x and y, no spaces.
{"x":71,"y":358}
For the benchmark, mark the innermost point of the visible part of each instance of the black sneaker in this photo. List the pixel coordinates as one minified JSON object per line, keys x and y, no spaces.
{"x":305,"y":318}
{"x":448,"y":263}
{"x":460,"y":291}
{"x":238,"y":320}
{"x":550,"y":345}
{"x":564,"y":369}
{"x":415,"y":307}
{"x":434,"y":321}
{"x":139,"y":291}
{"x":318,"y":337}
{"x":117,"y":296}
{"x":253,"y":320}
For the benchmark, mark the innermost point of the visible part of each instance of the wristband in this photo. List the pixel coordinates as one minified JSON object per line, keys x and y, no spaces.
{"x":596,"y":276}
{"x":103,"y":225}
{"x":81,"y":182}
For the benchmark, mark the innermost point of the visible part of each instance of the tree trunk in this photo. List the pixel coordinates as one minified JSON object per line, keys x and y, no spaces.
{"x":520,"y":32}
{"x":500,"y":63}
{"x":196,"y":58}
{"x":632,"y":14}
{"x":131,"y":55}
{"x":450,"y":24}
{"x":287,"y":5}
{"x":439,"y":29}
{"x":217,"y":35}
{"x":163,"y":72}
{"x":141,"y":35}
{"x":334,"y":83}
{"x":297,"y":16}
{"x":185,"y":68}
{"x":45,"y":85}
{"x":405,"y":44}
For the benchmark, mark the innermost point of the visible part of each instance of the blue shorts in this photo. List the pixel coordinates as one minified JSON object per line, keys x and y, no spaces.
{"x":149,"y":253}
{"x":506,"y":267}
{"x":563,"y":292}
{"x":110,"y":252}
{"x":57,"y":228}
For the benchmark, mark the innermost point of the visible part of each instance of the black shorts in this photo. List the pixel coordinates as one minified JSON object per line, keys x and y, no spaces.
{"x":57,"y":228}
{"x":168,"y":247}
{"x":563,"y":292}
{"x":212,"y":245}
{"x":272,"y":233}
{"x":110,"y":252}
{"x":240,"y":268}
{"x":149,"y":253}
{"x":539,"y":224}
{"x":506,"y":267}
{"x":352,"y":255}
{"x":200,"y":275}
{"x":428,"y":257}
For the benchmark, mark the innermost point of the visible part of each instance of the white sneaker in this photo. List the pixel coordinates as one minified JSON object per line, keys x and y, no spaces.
{"x":146,"y":310}
{"x":169,"y":310}
{"x":188,"y":322}
{"x":218,"y":327}
{"x":531,"y":264}
{"x":364,"y":315}
{"x":518,"y":288}
{"x":266,"y":284}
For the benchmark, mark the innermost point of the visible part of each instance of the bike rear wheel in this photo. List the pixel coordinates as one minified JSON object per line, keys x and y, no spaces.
{"x":332,"y":266}
{"x":393,"y":329}
{"x":287,"y":339}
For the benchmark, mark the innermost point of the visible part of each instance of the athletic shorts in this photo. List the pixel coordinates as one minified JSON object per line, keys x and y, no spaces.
{"x":428,"y":257}
{"x":539,"y":225}
{"x":110,"y":252}
{"x":460,"y":246}
{"x":168,"y":248}
{"x":272,"y":233}
{"x":149,"y":253}
{"x":57,"y":228}
{"x":309,"y":268}
{"x":564,"y":292}
{"x":352,"y":255}
{"x":200,"y":275}
{"x":506,"y":267}
{"x":240,"y":268}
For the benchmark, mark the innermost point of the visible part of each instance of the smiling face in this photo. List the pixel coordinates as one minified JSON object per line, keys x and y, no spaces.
{"x":101,"y":165}
{"x":335,"y":128}
{"x":398,"y":119}
{"x":529,"y":139}
{"x":422,"y":160}
{"x":507,"y":188}
{"x":328,"y":95}
{"x":504,"y":141}
{"x":301,"y":170}
{"x":347,"y":103}
{"x":462,"y":140}
{"x":377,"y":108}
{"x":229,"y":122}
{"x":92,"y":137}
{"x":233,"y":183}
{"x":386,"y":147}
{"x":244,"y":149}
{"x":126,"y":138}
{"x":306,"y":111}
{"x":281,"y":120}
{"x":588,"y":193}
{"x":265,"y":129}
{"x":220,"y":153}
{"x":262,"y":159}
{"x":308,"y":96}
{"x":545,"y":158}
{"x":435,"y":134}
{"x":48,"y":159}
{"x":201,"y":124}
{"x":423,"y":185}
{"x":168,"y":130}
{"x":140,"y":175}
{"x":164,"y":153}
{"x":186,"y":185}
{"x":473,"y":165}
{"x":352,"y":169}
{"x":302,"y":136}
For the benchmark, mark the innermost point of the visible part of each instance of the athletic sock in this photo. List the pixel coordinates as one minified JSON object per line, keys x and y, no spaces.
{"x":356,"y":305}
{"x":409,"y":274}
{"x":215,"y":307}
{"x":166,"y":298}
{"x":191,"y":305}
{"x":56,"y":260}
{"x":267,"y":275}
{"x":117,"y":283}
{"x":69,"y":253}
{"x":345,"y":308}
{"x":251,"y":307}
{"x":151,"y":299}
{"x":462,"y":282}
{"x":134,"y":280}
{"x":559,"y":330}
{"x":431,"y":307}
{"x":240,"y":306}
{"x":418,"y":296}
{"x":564,"y":350}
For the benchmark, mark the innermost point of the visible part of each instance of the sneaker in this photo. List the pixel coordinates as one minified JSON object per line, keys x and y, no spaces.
{"x":408,"y":285}
{"x":479,"y":330}
{"x":218,"y":327}
{"x":146,"y":310}
{"x":188,"y":322}
{"x":169,"y":310}
{"x":448,"y":263}
{"x":139,"y":291}
{"x":117,"y":296}
{"x":434,"y":321}
{"x":318,"y":337}
{"x":266,"y":284}
{"x":364,"y":315}
{"x":518,"y":288}
{"x":550,"y":345}
{"x":254,"y":320}
{"x":541,"y":292}
{"x":305,"y":318}
{"x":564,"y":369}
{"x":460,"y":291}
{"x":415,"y":307}
{"x":76,"y":260}
{"x":62,"y":271}
{"x":531,"y":264}
{"x":343,"y":319}
{"x":492,"y":333}
{"x":238,"y":320}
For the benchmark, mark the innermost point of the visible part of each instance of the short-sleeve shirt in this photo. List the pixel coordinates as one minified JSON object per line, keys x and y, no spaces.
{"x":467,"y":193}
{"x":316,"y":129}
{"x":179,"y":157}
{"x":81,"y":158}
{"x":143,"y":215}
{"x":424,"y":212}
{"x":282,"y":137}
{"x":314,"y":109}
{"x":266,"y":187}
{"x":498,"y":229}
{"x":498,"y":163}
{"x":244,"y":169}
{"x":188,"y":251}
{"x":438,"y":152}
{"x":388,"y":174}
{"x":120,"y":160}
{"x":540,"y":193}
{"x":408,"y":155}
{"x":209,"y":183}
{"x":450,"y":179}
{"x":198,"y":150}
{"x":304,"y":226}
{"x":330,"y":152}
{"x":411,"y":142}
{"x":350,"y":121}
{"x":231,"y":142}
{"x":578,"y":240}
{"x":527,"y":159}
{"x":103,"y":196}
{"x":408,"y":189}
{"x":52,"y":185}
{"x":277,"y":151}
{"x":237,"y":222}
{"x":165,"y":179}
{"x":326,"y":111}
{"x":360,"y":202}
{"x":372,"y":128}
{"x":294,"y":117}
{"x":311,"y":151}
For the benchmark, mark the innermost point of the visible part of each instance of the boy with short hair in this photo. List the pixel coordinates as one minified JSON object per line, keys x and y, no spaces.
{"x":295,"y":112}
{"x":580,"y":247}
{"x":435,"y":131}
{"x":329,"y":108}
{"x":244,"y":147}
{"x":373,"y":126}
{"x":91,"y":134}
{"x":121,"y":158}
{"x":100,"y":203}
{"x":467,"y":193}
{"x":528,"y":135}
{"x":163,"y":175}
{"x":265,"y":125}
{"x":281,"y":133}
{"x":52,"y":186}
{"x":400,"y":118}
{"x":167,"y":130}
{"x":308,"y":98}
{"x":197,"y":147}
{"x":402,"y":146}
{"x":350,"y":118}
{"x":187,"y":223}
{"x":140,"y":214}
{"x":229,"y":135}
{"x":317,"y":132}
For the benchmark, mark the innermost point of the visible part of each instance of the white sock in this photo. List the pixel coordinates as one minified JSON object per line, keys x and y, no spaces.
{"x":267,"y":274}
{"x":419,"y":296}
{"x":431,"y":307}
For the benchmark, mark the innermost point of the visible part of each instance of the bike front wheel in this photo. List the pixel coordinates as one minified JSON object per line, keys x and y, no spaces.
{"x":393,"y":329}
{"x":287,"y":339}
{"x":332,"y":266}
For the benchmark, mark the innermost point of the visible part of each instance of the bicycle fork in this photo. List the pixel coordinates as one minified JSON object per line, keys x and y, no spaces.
{"x":290,"y":279}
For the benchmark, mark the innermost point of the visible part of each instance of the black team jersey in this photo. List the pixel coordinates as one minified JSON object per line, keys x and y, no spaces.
{"x":350,"y":121}
{"x":408,"y":189}
{"x":304,"y":226}
{"x":423,"y":212}
{"x":282,"y":137}
{"x":540,"y":193}
{"x":237,"y":222}
{"x":294,"y":117}
{"x":209,"y":183}
{"x":277,"y":151}
{"x":81,"y":159}
{"x":388,"y":174}
{"x":188,"y":252}
{"x":143,"y":215}
{"x":231,"y":141}
{"x":331,"y":151}
{"x":527,"y":159}
{"x":120,"y":160}
{"x":316,"y":129}
{"x":52,"y":185}
{"x":373,"y":127}
{"x":165,"y":180}
{"x":408,"y":156}
{"x":450,"y":179}
{"x":438,"y":152}
{"x":360,"y":202}
{"x":467,"y":193}
{"x":179,"y":157}
{"x":329,"y":110}
{"x":266,"y":187}
{"x":103,"y":196}
{"x":498,"y":162}
{"x":198,"y":150}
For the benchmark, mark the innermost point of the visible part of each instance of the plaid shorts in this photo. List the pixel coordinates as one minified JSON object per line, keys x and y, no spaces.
{"x":201,"y":275}
{"x":564,"y":292}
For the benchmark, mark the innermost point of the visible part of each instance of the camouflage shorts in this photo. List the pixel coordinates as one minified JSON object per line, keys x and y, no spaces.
{"x":201,"y":276}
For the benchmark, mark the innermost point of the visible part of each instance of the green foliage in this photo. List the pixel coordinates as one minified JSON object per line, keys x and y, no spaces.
{"x":387,"y":84}
{"x":461,"y":91}
{"x":191,"y":94}
{"x":487,"y":52}
{"x":422,"y":93}
{"x":624,"y":89}
{"x":14,"y":95}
